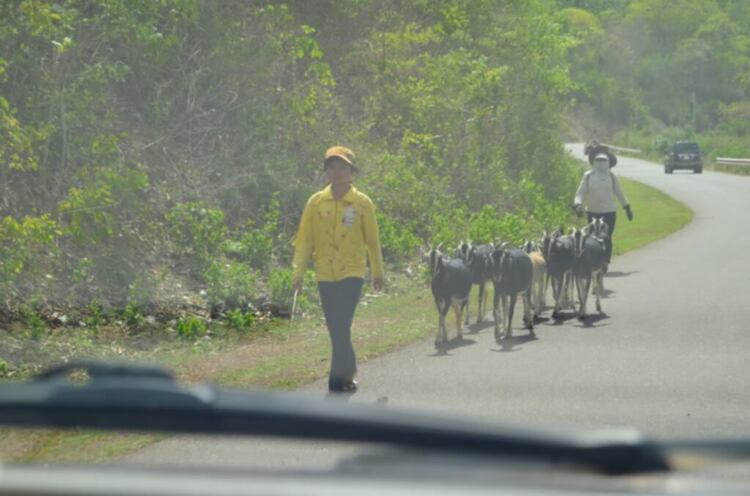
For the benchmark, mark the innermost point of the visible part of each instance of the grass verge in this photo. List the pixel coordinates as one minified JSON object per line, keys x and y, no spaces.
{"x":739,"y":170}
{"x":656,"y":216}
{"x":289,"y":356}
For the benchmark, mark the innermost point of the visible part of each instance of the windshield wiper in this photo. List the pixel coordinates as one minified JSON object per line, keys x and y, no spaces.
{"x":126,"y":397}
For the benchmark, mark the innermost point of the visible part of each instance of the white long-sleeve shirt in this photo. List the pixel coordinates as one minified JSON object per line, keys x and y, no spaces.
{"x":598,"y":191}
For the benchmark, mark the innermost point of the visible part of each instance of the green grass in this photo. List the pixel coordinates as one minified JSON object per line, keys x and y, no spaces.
{"x":289,"y":356}
{"x":740,"y":170}
{"x":656,"y":216}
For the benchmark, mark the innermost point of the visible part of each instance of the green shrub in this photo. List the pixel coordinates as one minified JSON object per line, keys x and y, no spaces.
{"x":448,"y":226}
{"x":256,"y":244}
{"x":280,"y":286}
{"x":397,"y":239}
{"x":240,"y":320}
{"x":191,"y":328}
{"x":485,"y":226}
{"x":22,"y":244}
{"x":132,"y":315}
{"x":230,"y":281}
{"x":94,"y":315}
{"x":33,"y":322}
{"x":197,"y":232}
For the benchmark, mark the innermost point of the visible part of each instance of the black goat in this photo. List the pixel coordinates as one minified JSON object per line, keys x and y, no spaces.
{"x":451,"y":285}
{"x":511,"y":275}
{"x":560,"y":254}
{"x":479,"y":260}
{"x":591,"y":261}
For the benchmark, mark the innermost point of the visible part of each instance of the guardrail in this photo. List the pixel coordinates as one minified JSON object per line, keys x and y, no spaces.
{"x":622,"y":148}
{"x":732,"y":161}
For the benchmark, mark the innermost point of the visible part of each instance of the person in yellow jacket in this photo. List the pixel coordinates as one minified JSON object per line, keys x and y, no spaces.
{"x":339,"y":231}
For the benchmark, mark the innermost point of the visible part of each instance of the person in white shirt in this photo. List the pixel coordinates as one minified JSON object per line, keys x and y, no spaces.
{"x":597,"y":191}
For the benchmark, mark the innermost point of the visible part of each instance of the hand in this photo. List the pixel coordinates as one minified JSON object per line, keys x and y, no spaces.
{"x":629,"y":213}
{"x":297,"y":285}
{"x":378,"y":284}
{"x":579,"y":209}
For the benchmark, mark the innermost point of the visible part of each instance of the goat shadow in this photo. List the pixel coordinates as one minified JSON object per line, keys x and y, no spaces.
{"x":538,"y":319}
{"x":562,"y":317}
{"x":452,"y":344}
{"x":508,"y":345}
{"x":590,"y":321}
{"x":619,"y":273}
{"x":342,"y":397}
{"x":476,"y":328}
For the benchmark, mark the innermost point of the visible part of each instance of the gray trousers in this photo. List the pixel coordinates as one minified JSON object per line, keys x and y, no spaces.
{"x":339,"y":300}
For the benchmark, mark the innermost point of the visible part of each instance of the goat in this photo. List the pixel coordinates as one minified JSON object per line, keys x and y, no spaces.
{"x":451,"y":284}
{"x":544,"y":244}
{"x":538,"y":276}
{"x":511,"y":275}
{"x":560,"y":257}
{"x":591,"y":259}
{"x":479,"y":260}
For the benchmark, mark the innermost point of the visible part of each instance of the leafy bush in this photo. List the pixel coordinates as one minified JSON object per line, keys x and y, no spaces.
{"x":33,"y":322}
{"x":191,"y":328}
{"x":22,"y":244}
{"x":397,"y":239}
{"x":197,"y":232}
{"x":240,"y":320}
{"x":230,"y":282}
{"x":448,"y":226}
{"x":256,"y":245}
{"x":280,"y":285}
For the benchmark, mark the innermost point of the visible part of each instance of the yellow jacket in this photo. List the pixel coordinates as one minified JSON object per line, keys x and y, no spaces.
{"x":337,"y":234}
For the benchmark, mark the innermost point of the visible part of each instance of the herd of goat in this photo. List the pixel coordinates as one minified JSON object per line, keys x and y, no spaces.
{"x":560,"y":260}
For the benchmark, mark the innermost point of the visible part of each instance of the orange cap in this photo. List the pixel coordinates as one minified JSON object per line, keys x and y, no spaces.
{"x":341,"y":152}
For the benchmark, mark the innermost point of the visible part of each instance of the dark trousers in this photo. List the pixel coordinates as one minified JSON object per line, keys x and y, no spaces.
{"x":610,"y":218}
{"x":339,"y":300}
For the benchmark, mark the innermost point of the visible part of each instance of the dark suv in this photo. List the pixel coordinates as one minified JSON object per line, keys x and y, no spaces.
{"x":684,"y":155}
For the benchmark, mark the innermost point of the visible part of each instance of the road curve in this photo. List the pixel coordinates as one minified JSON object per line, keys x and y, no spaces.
{"x":671,"y":358}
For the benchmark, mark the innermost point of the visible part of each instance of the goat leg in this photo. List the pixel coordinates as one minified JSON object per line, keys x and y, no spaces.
{"x":457,"y":308}
{"x":509,"y":303}
{"x":583,"y":294}
{"x":527,"y":310}
{"x":442,"y":334}
{"x":466,"y":322}
{"x":556,"y":283}
{"x":480,"y":303}
{"x":496,"y":314}
{"x":539,"y":298}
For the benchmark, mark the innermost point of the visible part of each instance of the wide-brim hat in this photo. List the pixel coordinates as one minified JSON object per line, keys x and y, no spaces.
{"x":599,"y":150}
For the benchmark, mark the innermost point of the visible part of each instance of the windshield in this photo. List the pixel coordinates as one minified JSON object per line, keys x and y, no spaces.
{"x":381,"y":202}
{"x":686,"y":148}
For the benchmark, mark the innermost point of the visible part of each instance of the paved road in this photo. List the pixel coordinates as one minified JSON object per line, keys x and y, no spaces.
{"x":672,"y":358}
